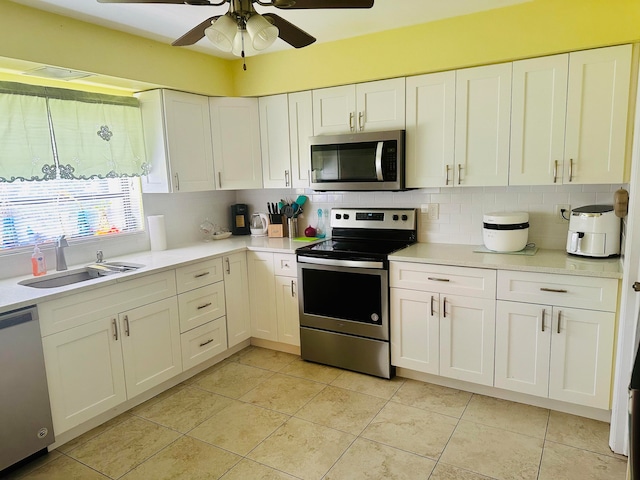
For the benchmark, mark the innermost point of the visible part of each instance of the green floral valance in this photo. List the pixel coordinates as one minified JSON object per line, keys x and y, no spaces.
{"x":48,"y":133}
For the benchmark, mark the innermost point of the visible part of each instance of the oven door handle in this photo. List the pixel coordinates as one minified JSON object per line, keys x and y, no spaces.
{"x":340,"y":263}
{"x":379,"y":161}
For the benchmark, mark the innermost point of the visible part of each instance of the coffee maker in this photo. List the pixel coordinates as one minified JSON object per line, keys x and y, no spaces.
{"x":594,"y":231}
{"x":240,"y":219}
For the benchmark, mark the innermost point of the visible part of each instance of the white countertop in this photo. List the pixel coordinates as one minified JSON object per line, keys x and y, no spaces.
{"x":545,"y":261}
{"x":13,"y":295}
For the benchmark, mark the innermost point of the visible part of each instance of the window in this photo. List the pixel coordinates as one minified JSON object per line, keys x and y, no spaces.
{"x":38,"y":212}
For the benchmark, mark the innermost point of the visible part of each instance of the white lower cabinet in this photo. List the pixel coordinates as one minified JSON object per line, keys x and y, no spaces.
{"x":236,"y":292}
{"x":552,"y":349}
{"x":273,"y":291}
{"x":439,"y":332}
{"x":203,"y":342}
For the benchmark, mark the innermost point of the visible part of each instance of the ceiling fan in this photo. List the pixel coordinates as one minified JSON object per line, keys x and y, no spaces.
{"x":227,"y":32}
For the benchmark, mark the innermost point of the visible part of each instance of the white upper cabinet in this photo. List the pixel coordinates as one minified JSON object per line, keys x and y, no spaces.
{"x":178,"y":142}
{"x":597,"y":110}
{"x":483,"y":109}
{"x":274,"y":141}
{"x":538,"y":107}
{"x":372,"y":106}
{"x":430,"y":130}
{"x":235,"y":128}
{"x":300,"y":129}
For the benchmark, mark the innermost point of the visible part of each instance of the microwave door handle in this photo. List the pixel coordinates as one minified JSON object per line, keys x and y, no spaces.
{"x":379,"y":161}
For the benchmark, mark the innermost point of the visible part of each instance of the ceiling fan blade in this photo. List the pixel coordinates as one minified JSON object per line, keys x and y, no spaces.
{"x":195,"y":34}
{"x":288,"y":32}
{"x":175,"y":2}
{"x":299,"y":4}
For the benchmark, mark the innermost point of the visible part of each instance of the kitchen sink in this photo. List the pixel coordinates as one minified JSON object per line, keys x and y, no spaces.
{"x":78,"y":275}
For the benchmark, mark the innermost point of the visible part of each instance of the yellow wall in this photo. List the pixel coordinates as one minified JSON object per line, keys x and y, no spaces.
{"x":529,"y":29}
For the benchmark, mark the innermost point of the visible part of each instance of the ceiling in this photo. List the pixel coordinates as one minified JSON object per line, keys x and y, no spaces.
{"x":165,"y":23}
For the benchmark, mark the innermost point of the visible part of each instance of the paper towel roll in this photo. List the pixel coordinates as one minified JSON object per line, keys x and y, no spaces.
{"x":157,"y":232}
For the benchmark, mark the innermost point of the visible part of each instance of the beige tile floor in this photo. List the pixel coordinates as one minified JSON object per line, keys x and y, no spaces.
{"x":263,"y":414}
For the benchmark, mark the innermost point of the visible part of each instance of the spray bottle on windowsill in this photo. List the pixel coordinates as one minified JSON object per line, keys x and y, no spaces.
{"x":38,"y":265}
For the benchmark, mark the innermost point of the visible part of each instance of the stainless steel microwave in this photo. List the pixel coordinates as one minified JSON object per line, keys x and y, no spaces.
{"x":358,"y":161}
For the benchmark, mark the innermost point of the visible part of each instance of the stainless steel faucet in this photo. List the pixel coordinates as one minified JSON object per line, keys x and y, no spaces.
{"x":99,"y":257}
{"x":61,"y":244}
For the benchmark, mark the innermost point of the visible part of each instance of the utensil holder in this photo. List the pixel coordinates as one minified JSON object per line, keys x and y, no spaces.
{"x":292,"y":227}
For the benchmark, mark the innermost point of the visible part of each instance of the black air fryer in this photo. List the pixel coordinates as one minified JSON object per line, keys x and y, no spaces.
{"x":240,"y":219}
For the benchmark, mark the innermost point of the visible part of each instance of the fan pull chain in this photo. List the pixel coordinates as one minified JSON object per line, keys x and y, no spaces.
{"x":244,"y":63}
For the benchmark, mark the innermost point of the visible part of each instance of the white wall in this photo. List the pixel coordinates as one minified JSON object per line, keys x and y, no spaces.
{"x":460,"y":209}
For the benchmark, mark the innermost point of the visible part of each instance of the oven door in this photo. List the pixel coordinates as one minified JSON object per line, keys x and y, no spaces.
{"x":342,"y":296}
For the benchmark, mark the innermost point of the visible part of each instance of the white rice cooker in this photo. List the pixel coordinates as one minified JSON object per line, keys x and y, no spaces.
{"x":505,"y":231}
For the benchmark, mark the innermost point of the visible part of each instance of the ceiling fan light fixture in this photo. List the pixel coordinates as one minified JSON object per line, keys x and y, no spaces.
{"x":222,"y":32}
{"x":262,"y":32}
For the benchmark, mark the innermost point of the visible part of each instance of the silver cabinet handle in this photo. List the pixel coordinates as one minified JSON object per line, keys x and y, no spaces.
{"x":201,"y":275}
{"x":444,"y":309}
{"x":115,"y":329}
{"x":459,"y":170}
{"x":207,"y":342}
{"x":351,"y":115}
{"x":228,"y":265}
{"x":446,"y":180}
{"x":177,"y":181}
{"x":208,"y":304}
{"x":220,"y":179}
{"x":293,"y":293}
{"x":542,"y":322}
{"x":126,"y":325}
{"x":286,"y":178}
{"x":553,"y":290}
{"x":559,"y":319}
{"x":555,"y":171}
{"x":361,"y":120}
{"x":436,"y":279}
{"x":571,"y":169}
{"x":432,"y":305}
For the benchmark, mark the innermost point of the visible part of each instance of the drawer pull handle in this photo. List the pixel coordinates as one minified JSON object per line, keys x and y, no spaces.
{"x":115,"y":329}
{"x":432,"y":305}
{"x":543,"y":314}
{"x":553,"y":290}
{"x":207,"y":342}
{"x":201,"y":275}
{"x":436,"y":279}
{"x":204,"y":306}
{"x":444,"y":304}
{"x":126,"y":325}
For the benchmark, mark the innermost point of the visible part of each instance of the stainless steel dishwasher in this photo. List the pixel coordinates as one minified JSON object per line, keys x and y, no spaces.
{"x":26,"y":427}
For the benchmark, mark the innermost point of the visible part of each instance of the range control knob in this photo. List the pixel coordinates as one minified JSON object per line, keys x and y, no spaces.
{"x":404,"y":218}
{"x":346,"y":216}
{"x":395,"y":218}
{"x":338,"y":216}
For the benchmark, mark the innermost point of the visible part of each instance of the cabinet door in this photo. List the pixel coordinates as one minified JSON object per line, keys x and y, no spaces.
{"x":538,"y":107}
{"x":380,"y":105}
{"x":178,"y":142}
{"x":300,"y":129}
{"x":235,"y":128}
{"x":236,"y":291}
{"x":262,"y":288}
{"x":287,"y":310}
{"x":483,"y":109}
{"x":597,"y":109}
{"x":581,"y":356}
{"x":467,"y":337}
{"x":523,"y":341}
{"x":415,"y":330}
{"x":150,"y":345}
{"x":334,"y":110}
{"x":274,"y":141}
{"x":430,"y":130}
{"x":85,"y":372}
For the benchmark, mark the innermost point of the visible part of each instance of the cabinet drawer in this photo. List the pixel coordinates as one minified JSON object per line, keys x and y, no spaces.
{"x":285,"y":264}
{"x":471,"y":282}
{"x":201,"y":305}
{"x":198,"y":274}
{"x":81,"y":308}
{"x":561,"y":290}
{"x":203,"y":342}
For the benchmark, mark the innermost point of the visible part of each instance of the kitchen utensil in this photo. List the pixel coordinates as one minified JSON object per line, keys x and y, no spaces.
{"x":288,"y":211}
{"x":259,"y":224}
{"x":301,"y":200}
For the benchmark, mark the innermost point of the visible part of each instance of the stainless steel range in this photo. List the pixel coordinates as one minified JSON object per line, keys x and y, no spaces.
{"x":344,"y":293}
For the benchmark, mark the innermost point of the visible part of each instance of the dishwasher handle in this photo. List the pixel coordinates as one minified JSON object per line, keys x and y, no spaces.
{"x":17,"y":317}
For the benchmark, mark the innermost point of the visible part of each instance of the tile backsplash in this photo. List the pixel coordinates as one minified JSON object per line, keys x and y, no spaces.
{"x":460,"y":210}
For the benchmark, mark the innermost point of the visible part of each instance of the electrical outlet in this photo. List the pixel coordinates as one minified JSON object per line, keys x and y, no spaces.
{"x":559,"y":210}
{"x":424,"y":208}
{"x":434,"y":211}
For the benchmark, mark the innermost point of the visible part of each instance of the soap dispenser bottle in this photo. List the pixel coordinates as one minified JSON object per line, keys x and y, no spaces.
{"x":38,"y":265}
